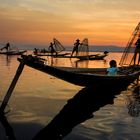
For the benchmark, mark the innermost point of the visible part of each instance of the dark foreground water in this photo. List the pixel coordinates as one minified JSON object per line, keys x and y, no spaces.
{"x":94,"y":113}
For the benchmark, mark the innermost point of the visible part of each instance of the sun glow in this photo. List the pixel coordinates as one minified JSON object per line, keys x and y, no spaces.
{"x":38,"y":22}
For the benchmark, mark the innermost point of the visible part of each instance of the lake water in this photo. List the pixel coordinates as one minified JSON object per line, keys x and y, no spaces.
{"x":38,"y":98}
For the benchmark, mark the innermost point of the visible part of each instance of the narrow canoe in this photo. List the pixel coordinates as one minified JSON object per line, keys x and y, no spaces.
{"x":83,"y":76}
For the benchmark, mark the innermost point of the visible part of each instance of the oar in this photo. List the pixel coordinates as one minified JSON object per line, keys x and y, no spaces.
{"x":11,"y":88}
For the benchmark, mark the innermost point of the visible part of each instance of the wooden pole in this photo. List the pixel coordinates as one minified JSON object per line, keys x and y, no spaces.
{"x":11,"y":88}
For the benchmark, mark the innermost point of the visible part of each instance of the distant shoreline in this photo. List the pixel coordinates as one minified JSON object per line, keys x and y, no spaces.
{"x":109,"y":48}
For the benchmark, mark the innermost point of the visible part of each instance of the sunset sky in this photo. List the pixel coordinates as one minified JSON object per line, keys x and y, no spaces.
{"x":103,"y":22}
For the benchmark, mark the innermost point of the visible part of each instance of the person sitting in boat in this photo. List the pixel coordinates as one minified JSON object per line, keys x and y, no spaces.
{"x":106,"y":52}
{"x":137,"y":51}
{"x":36,"y":51}
{"x":51,"y":49}
{"x":7,"y":47}
{"x":113,"y":68}
{"x":75,"y":48}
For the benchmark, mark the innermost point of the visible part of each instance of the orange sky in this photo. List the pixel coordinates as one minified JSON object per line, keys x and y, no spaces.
{"x":103,"y":22}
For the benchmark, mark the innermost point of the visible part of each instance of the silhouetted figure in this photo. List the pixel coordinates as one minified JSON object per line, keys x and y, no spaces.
{"x":51,"y":49}
{"x":7,"y":47}
{"x":75,"y":48}
{"x":35,"y":51}
{"x":77,"y":110}
{"x":113,"y":68}
{"x":137,"y":51}
{"x":106,"y":52}
{"x":43,"y":50}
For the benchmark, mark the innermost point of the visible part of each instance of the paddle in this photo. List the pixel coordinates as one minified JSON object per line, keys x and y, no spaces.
{"x":11,"y":88}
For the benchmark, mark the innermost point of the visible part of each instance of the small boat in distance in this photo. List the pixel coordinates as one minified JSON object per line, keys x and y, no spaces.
{"x":94,"y":56}
{"x":13,"y":52}
{"x":82,"y":52}
{"x":8,"y":50}
{"x":57,"y":51}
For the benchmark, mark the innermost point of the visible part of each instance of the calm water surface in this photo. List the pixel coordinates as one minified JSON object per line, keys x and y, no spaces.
{"x":38,"y":98}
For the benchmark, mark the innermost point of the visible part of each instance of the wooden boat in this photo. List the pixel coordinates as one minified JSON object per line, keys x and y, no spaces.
{"x":83,"y":52}
{"x":82,"y":57}
{"x":58,"y":48}
{"x":91,"y":76}
{"x":93,"y":57}
{"x":13,"y":52}
{"x":83,"y":76}
{"x":60,"y":55}
{"x":8,"y":50}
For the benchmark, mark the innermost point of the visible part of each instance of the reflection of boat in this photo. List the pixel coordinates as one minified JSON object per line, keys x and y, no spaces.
{"x":133,"y":102}
{"x":77,"y":110}
{"x":83,"y":76}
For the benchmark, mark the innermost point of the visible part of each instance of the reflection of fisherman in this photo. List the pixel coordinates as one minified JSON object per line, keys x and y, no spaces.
{"x":75,"y":48}
{"x":51,"y":49}
{"x":133,"y":103}
{"x":7,"y":47}
{"x":137,"y":51}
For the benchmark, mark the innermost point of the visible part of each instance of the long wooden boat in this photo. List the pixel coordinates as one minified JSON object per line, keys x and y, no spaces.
{"x":92,"y":57}
{"x":61,"y":55}
{"x":85,"y":57}
{"x":67,"y":55}
{"x":13,"y":52}
{"x":82,"y":57}
{"x":83,"y":76}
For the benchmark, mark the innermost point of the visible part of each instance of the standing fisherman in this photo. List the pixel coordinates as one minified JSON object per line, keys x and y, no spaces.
{"x":137,"y":51}
{"x":75,"y":48}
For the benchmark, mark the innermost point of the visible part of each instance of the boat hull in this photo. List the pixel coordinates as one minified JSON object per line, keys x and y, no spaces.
{"x":12,"y":52}
{"x":92,"y":57}
{"x":81,"y":77}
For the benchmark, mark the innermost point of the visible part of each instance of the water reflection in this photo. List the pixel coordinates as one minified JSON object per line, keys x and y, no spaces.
{"x":81,"y":63}
{"x":78,"y":109}
{"x":133,"y":102}
{"x":8,"y":129}
{"x":86,"y":63}
{"x":8,"y":60}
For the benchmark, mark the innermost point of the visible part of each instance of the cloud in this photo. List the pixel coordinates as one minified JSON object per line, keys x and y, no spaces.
{"x":68,"y":17}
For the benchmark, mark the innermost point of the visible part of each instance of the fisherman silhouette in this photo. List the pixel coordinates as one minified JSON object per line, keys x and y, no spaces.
{"x":51,"y":49}
{"x":7,"y":47}
{"x":137,"y":51}
{"x":75,"y":48}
